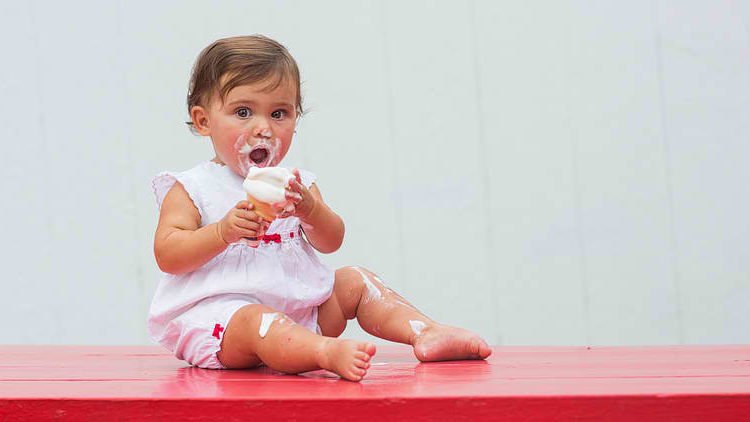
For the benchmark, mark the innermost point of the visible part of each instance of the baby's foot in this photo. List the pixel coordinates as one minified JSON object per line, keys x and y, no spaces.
{"x":348,"y":358}
{"x":440,"y":342}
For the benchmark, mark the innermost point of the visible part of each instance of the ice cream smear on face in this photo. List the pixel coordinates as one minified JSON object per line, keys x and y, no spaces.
{"x":259,"y":155}
{"x":266,"y":190}
{"x":256,"y":152}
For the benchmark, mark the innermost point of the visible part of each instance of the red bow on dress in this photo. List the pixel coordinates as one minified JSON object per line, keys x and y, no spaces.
{"x":272,"y":238}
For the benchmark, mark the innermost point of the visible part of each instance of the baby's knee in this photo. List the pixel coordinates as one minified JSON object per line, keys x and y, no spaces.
{"x":250,"y":315}
{"x":258,"y":318}
{"x":343,"y":274}
{"x":239,"y":344}
{"x":360,"y":280}
{"x":351,"y":277}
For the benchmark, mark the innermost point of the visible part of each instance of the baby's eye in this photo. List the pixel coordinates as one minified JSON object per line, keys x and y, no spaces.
{"x":243,"y":112}
{"x":278,"y":114}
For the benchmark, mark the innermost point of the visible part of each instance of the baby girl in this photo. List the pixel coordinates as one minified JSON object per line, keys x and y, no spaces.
{"x":228,"y":302}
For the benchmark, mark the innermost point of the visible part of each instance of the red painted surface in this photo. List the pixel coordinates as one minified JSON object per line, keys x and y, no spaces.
{"x":705,"y":383}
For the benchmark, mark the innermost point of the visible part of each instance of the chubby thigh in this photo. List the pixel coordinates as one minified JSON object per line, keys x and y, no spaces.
{"x":238,"y":345}
{"x":260,"y":334}
{"x":252,"y":324}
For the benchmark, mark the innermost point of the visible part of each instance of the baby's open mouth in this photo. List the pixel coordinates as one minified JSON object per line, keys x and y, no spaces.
{"x":259,"y":155}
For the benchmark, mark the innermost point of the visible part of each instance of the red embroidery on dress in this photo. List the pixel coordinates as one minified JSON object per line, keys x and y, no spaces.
{"x":217,"y":330}
{"x":272,"y":238}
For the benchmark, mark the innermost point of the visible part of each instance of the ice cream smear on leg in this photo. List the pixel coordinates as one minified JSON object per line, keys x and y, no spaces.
{"x":266,"y":190}
{"x":265,"y":323}
{"x":417,"y":326}
{"x":372,"y":290}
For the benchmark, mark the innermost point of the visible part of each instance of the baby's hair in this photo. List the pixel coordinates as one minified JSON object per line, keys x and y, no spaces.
{"x":231,"y":62}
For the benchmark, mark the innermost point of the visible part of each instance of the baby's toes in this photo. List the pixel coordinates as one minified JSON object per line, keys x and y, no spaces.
{"x":367,"y":348}
{"x":362,"y":356}
{"x":356,"y":373}
{"x":361,"y":364}
{"x":484,"y":350}
{"x":360,"y":372}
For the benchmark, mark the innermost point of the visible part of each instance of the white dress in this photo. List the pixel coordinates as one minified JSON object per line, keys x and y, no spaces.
{"x":190,"y":312}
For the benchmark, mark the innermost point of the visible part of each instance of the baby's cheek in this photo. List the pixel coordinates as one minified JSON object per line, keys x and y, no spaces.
{"x":281,"y":153}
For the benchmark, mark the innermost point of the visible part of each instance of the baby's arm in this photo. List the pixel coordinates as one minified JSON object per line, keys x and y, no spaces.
{"x":324,"y":229}
{"x":181,"y":245}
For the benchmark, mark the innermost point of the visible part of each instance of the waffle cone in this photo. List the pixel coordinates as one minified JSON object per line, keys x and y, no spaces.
{"x":265,"y":210}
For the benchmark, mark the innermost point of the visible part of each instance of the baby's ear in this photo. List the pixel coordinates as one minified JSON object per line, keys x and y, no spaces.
{"x":201,"y":123}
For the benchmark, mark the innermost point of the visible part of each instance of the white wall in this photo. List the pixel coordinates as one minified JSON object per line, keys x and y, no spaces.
{"x":559,"y":172}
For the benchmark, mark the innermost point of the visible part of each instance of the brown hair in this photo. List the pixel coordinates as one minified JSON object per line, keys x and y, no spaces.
{"x":240,"y":61}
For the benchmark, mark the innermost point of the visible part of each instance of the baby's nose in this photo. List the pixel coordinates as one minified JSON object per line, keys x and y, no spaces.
{"x":262,"y":130}
{"x":265,"y":133}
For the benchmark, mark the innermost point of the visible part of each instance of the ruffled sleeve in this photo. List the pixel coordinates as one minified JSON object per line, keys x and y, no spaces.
{"x":163,"y":182}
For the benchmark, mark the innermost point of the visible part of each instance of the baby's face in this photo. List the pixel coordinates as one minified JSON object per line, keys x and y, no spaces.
{"x":253,"y":126}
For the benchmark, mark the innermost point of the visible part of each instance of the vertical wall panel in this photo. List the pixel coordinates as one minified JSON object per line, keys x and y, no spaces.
{"x":522,"y":52}
{"x":83,"y":261}
{"x":706,"y":61}
{"x":614,"y":99}
{"x":24,"y":175}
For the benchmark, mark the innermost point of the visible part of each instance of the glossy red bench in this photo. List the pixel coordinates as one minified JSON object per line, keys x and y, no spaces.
{"x":707,"y":383}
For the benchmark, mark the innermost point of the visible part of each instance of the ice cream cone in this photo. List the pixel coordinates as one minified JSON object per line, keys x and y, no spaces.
{"x":266,"y":190}
{"x":263,"y":209}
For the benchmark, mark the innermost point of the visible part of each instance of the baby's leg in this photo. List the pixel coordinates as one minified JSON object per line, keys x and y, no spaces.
{"x":257,"y":333}
{"x":384,"y":313}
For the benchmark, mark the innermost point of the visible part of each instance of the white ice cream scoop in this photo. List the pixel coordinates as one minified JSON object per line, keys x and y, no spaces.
{"x":266,"y":190}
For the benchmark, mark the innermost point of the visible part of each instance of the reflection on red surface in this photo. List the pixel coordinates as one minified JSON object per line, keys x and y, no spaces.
{"x":580,"y":382}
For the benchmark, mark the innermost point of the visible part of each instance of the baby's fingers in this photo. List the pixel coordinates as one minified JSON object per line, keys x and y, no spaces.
{"x":244,"y":205}
{"x":293,"y":196}
{"x":248,"y":225}
{"x":249,"y":215}
{"x":299,"y":188}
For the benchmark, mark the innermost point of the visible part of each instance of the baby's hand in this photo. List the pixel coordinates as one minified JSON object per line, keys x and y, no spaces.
{"x":302,"y":202}
{"x":240,"y":222}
